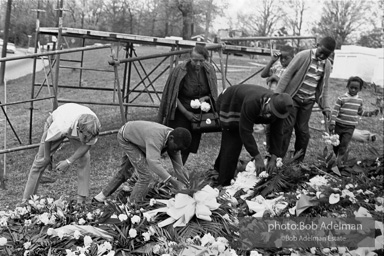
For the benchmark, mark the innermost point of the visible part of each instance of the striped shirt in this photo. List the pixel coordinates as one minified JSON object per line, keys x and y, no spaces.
{"x":347,"y":109}
{"x":314,"y":74}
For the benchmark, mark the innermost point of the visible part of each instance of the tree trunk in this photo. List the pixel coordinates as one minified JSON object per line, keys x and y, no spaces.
{"x":208,"y":16}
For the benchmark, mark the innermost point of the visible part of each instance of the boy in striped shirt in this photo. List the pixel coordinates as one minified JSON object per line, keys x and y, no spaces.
{"x":345,"y":115}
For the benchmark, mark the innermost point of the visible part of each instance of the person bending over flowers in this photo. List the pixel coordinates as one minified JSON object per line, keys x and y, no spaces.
{"x":81,"y":126}
{"x":345,"y":115}
{"x":240,"y":107}
{"x":143,"y":143}
{"x":193,"y":79}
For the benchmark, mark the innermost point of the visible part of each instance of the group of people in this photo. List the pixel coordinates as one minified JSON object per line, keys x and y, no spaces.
{"x":298,"y":83}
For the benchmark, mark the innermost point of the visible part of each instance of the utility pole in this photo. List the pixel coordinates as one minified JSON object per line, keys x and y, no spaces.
{"x":36,"y":45}
{"x":7,"y":23}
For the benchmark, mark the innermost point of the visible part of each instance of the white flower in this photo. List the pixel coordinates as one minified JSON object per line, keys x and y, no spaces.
{"x":70,"y":253}
{"x":26,"y":253}
{"x":207,"y":239}
{"x":50,"y":200}
{"x":279,"y":162}
{"x":87,"y":241}
{"x":89,"y":216}
{"x":334,"y":198}
{"x":132,"y":233}
{"x":255,"y":253}
{"x":152,"y":202}
{"x":195,"y":104}
{"x":3,"y":241}
{"x":123,"y":217}
{"x":27,"y":223}
{"x":27,"y":245}
{"x":263,"y":174}
{"x":156,"y":248}
{"x":362,"y":212}
{"x":146,"y":236}
{"x":76,"y":234}
{"x":50,"y":231}
{"x":135,"y":219}
{"x":317,"y":182}
{"x":81,"y":221}
{"x":205,"y":106}
{"x":208,"y":121}
{"x":3,"y":222}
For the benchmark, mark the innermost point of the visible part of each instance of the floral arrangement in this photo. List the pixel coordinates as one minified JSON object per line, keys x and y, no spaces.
{"x":331,"y":139}
{"x":204,"y":106}
{"x":200,"y":220}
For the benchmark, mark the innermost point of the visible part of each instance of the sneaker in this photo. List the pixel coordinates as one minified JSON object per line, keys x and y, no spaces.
{"x":94,"y":201}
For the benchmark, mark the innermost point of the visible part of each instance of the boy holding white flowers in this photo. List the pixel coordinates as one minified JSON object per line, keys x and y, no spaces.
{"x":345,"y":115}
{"x":190,"y":88}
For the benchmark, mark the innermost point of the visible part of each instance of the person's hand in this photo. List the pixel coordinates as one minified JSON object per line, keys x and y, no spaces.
{"x":259,"y":164}
{"x":62,"y":166}
{"x":177,"y":185}
{"x":192,"y":117}
{"x":46,"y":160}
{"x":327,"y":114}
{"x":271,"y":165}
{"x":272,"y":79}
{"x":204,"y":99}
{"x":331,"y":128}
{"x":275,"y":56}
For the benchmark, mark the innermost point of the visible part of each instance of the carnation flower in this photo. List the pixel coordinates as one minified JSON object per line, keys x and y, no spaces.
{"x":205,"y":106}
{"x":135,"y":219}
{"x":81,"y":221}
{"x":152,"y":202}
{"x":146,"y":236}
{"x":27,"y":245}
{"x":3,"y":241}
{"x":156,"y":249}
{"x":123,"y":217}
{"x":76,"y":234}
{"x":195,"y":104}
{"x":89,"y":216}
{"x":132,"y":233}
{"x":208,"y":121}
{"x":279,"y":162}
{"x":207,"y":239}
{"x":27,"y":223}
{"x":87,"y":241}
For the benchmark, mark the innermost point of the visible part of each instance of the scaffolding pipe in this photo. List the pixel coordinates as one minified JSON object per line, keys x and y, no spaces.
{"x":152,"y":56}
{"x":55,"y":52}
{"x":25,"y":101}
{"x":261,"y":38}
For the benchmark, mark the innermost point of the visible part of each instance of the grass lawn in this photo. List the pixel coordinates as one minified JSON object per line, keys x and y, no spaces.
{"x":106,"y":154}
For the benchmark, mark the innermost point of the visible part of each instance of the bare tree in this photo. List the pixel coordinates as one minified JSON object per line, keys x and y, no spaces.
{"x":294,"y":17}
{"x":340,"y":18}
{"x":263,"y":19}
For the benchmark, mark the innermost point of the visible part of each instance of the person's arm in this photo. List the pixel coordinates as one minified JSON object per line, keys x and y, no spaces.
{"x":81,"y":151}
{"x":325,"y":97}
{"x":275,"y":147}
{"x":267,"y":69}
{"x":335,"y":113}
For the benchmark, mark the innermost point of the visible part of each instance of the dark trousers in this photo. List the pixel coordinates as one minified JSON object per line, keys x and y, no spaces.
{"x":298,"y":118}
{"x":226,"y":161}
{"x":345,"y":133}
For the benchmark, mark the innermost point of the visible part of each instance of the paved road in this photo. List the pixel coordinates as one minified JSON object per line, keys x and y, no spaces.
{"x":19,"y":68}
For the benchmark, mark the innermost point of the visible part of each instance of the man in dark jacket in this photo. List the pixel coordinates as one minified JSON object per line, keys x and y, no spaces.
{"x":240,"y":107}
